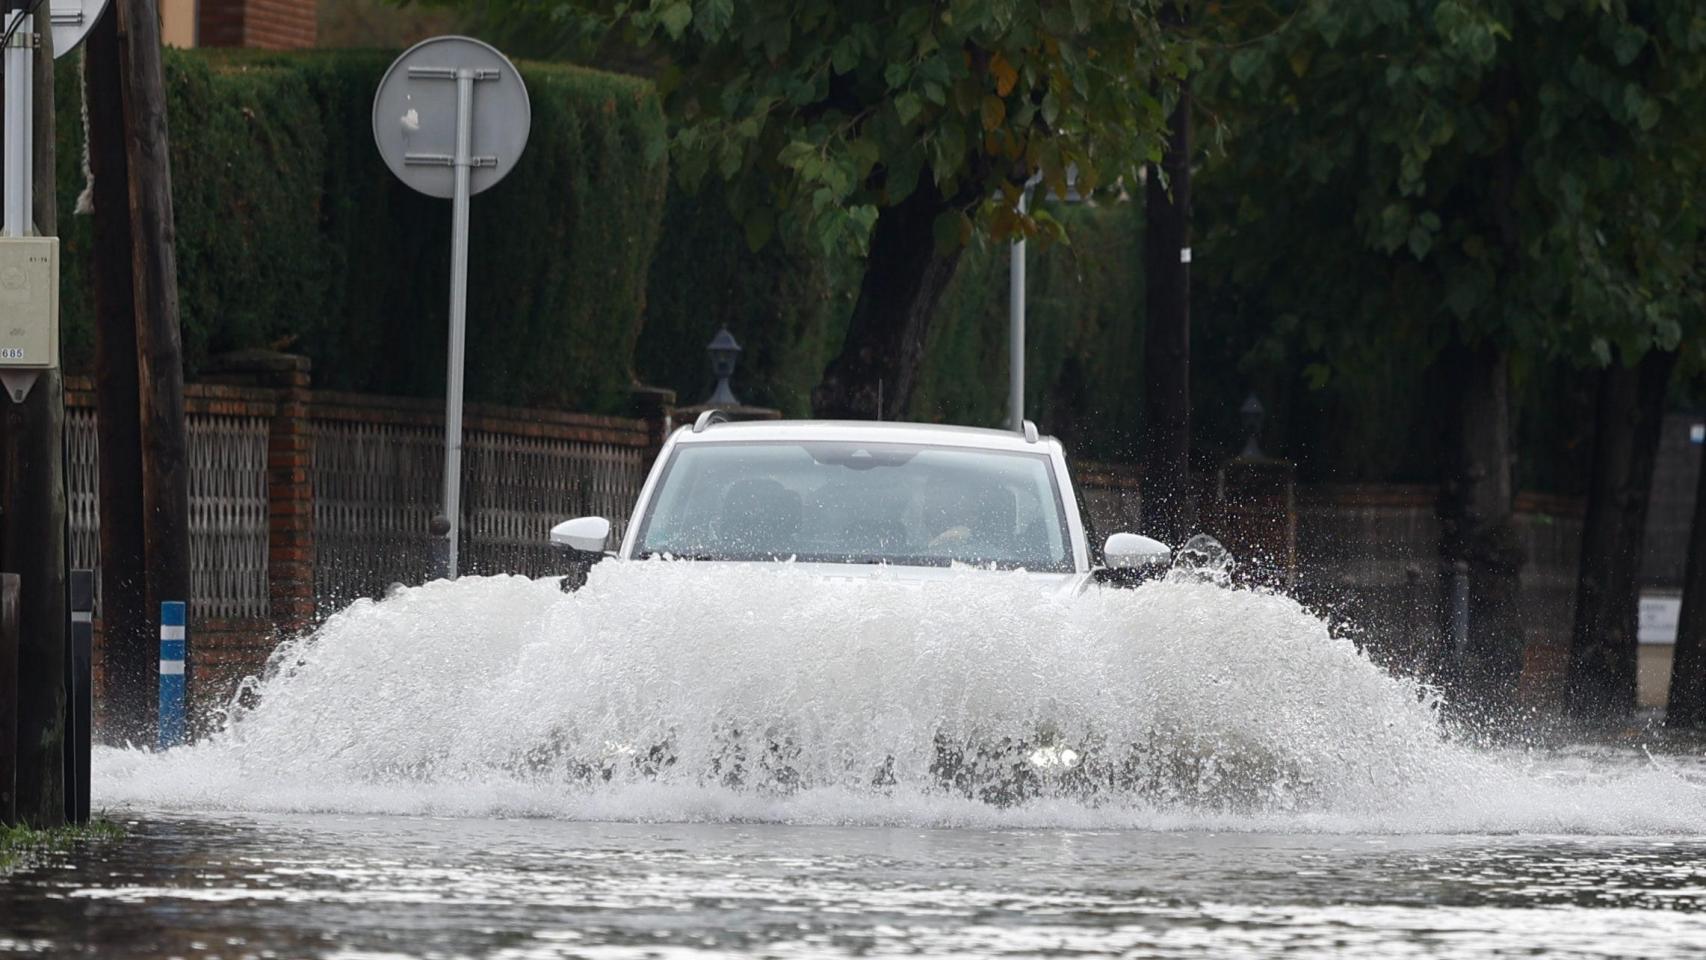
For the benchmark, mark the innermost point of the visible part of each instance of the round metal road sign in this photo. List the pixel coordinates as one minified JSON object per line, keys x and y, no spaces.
{"x":71,"y":21}
{"x":415,"y":114}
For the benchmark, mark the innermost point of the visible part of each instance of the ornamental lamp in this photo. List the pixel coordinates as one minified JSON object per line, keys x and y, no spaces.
{"x":724,"y":353}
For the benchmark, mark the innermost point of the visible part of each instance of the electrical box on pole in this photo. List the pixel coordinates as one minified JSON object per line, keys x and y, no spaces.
{"x":29,"y":311}
{"x":451,"y":119}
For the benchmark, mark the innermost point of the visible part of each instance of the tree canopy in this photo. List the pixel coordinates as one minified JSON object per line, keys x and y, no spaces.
{"x":1523,"y":172}
{"x":819,"y":113}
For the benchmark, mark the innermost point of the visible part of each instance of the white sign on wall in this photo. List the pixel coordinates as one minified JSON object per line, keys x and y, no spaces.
{"x":1659,"y":615}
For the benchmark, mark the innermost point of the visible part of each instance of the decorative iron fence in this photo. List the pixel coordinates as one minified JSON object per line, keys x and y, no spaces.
{"x":228,"y":516}
{"x":228,"y":509}
{"x":519,"y":487}
{"x":375,"y":491}
{"x":82,"y":490}
{"x":378,"y":484}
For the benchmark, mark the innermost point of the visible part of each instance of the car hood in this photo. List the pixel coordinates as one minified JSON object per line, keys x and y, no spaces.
{"x":1047,"y":582}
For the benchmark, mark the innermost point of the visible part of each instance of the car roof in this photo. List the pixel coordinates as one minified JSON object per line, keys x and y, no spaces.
{"x":869,"y":431}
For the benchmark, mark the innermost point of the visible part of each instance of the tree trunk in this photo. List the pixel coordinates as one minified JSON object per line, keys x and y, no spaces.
{"x":1169,"y":507}
{"x":874,"y":374}
{"x":1628,"y":412}
{"x":1687,"y":706}
{"x":130,"y":651}
{"x":159,"y":353}
{"x":32,"y":526}
{"x":1476,"y":528}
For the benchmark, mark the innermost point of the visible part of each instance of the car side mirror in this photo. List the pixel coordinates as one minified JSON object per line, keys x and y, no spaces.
{"x":1130,"y":551}
{"x":586,"y":534}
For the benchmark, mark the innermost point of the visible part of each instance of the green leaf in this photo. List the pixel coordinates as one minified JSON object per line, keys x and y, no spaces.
{"x":946,"y":230}
{"x":908,"y":106}
{"x":675,"y":19}
{"x":845,"y":55}
{"x":1421,"y":241}
{"x":1245,"y":63}
{"x":760,"y":226}
{"x":795,"y":153}
{"x":902,"y":178}
{"x":713,"y":18}
{"x":1627,"y":46}
{"x":1051,"y":108}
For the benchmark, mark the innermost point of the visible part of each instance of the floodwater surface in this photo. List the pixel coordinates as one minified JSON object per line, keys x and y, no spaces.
{"x":378,"y":886}
{"x":680,"y":762}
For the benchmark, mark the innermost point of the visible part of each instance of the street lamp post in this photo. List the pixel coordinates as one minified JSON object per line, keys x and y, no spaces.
{"x":1016,"y":301}
{"x":1016,"y":320}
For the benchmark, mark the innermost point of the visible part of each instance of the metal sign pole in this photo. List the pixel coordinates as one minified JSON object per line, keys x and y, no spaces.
{"x":458,"y":313}
{"x":20,"y":90}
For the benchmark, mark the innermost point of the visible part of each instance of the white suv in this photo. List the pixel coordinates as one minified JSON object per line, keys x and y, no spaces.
{"x":850,"y":498}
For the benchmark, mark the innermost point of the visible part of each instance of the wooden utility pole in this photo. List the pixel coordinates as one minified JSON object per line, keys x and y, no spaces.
{"x":130,"y":648}
{"x":32,"y":526}
{"x":1169,"y":503}
{"x":159,"y":353}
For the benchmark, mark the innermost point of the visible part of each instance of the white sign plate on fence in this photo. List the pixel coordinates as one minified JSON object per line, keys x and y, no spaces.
{"x":1659,"y":616}
{"x":414,"y":115}
{"x":72,"y":20}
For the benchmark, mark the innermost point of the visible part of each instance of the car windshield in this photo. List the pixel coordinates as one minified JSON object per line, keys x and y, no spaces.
{"x":847,"y":502}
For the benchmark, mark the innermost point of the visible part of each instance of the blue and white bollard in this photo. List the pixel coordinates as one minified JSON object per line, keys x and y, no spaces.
{"x":171,"y":673}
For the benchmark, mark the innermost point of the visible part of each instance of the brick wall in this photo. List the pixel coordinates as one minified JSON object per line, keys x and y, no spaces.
{"x":261,"y":24}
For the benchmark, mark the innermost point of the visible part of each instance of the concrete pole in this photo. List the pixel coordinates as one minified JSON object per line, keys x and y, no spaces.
{"x":32,"y":478}
{"x":19,"y":81}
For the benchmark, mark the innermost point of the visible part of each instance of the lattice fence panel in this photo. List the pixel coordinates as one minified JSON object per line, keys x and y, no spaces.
{"x":377,"y":487}
{"x":228,"y":509}
{"x":82,"y":482}
{"x":517,"y":488}
{"x":228,"y":516}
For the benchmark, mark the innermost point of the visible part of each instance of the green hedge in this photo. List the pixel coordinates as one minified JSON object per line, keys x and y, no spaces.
{"x":293,"y":235}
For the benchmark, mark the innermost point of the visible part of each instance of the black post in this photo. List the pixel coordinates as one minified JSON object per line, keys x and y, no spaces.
{"x":8,"y":699}
{"x":79,"y":696}
{"x":1169,"y":502}
{"x":439,"y":567}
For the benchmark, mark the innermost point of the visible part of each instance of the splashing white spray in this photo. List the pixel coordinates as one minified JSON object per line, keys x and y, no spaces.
{"x":680,"y":691}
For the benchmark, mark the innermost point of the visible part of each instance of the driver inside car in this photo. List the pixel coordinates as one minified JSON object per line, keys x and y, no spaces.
{"x":960,"y":515}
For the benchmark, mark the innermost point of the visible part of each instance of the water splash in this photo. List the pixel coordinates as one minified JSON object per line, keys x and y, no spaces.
{"x":685,"y":691}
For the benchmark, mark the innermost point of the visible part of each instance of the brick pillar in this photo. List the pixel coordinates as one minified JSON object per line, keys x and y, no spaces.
{"x":261,"y":24}
{"x":656,"y":406}
{"x":290,"y":502}
{"x":1255,"y":517}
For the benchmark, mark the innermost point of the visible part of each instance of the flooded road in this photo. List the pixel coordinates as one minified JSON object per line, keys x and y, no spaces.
{"x":678,"y":762}
{"x":378,"y":886}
